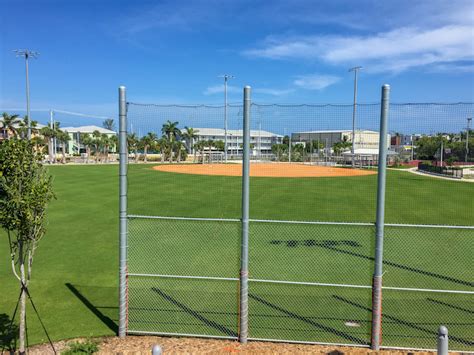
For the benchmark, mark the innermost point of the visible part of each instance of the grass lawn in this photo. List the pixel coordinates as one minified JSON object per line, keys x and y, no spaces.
{"x":74,"y":283}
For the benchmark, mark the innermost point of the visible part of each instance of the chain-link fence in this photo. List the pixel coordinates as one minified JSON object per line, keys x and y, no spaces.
{"x":312,"y":223}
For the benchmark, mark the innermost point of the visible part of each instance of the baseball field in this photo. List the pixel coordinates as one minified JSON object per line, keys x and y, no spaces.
{"x":74,"y":281}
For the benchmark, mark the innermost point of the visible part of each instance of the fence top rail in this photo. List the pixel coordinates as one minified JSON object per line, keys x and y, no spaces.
{"x":262,"y":104}
{"x":367,"y":224}
{"x":184,"y":218}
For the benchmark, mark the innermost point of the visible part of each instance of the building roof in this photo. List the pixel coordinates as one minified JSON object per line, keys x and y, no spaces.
{"x":338,"y":131}
{"x":232,"y":132}
{"x":87,"y":129}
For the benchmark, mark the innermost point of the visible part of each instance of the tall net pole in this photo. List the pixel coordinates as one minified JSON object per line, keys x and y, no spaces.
{"x":244,"y":259}
{"x":380,"y":224}
{"x":123,"y":211}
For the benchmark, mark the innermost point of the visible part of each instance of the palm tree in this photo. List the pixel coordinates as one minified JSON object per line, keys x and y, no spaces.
{"x":148,"y":141}
{"x":189,"y":135}
{"x":171,"y":130}
{"x":105,"y":141}
{"x":200,"y":146}
{"x":161,"y":146}
{"x":109,"y":124}
{"x":8,"y":124}
{"x":179,"y":149}
{"x":48,"y":133}
{"x":97,"y":142}
{"x":23,"y":127}
{"x":114,"y":142}
{"x":63,"y":138}
{"x":88,"y":142}
{"x":132,"y":142}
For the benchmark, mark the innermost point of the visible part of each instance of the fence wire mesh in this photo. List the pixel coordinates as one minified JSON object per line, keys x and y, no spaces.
{"x":313,"y":190}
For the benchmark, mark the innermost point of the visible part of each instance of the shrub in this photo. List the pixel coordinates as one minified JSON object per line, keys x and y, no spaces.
{"x":85,"y":347}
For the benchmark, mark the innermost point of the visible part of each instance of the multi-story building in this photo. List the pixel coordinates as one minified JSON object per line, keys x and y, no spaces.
{"x":364,"y":139}
{"x":75,"y":146}
{"x":261,"y":141}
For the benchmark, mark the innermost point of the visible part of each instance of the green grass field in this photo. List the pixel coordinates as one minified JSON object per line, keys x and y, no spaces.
{"x":74,"y":282}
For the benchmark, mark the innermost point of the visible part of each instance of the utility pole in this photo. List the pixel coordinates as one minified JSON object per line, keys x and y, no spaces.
{"x":354,"y":108}
{"x":468,"y":129}
{"x":226,"y":78}
{"x":26,"y":53}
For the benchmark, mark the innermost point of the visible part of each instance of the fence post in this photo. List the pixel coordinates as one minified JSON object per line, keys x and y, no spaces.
{"x":123,"y":155}
{"x":244,"y":258}
{"x":379,"y":224}
{"x":443,"y":340}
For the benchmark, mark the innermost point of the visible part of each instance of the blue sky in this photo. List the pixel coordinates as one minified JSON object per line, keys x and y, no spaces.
{"x":288,"y":51}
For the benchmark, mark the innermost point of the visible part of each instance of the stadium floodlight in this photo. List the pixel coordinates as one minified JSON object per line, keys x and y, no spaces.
{"x":226,"y":78}
{"x":355,"y":70}
{"x":26,"y":53}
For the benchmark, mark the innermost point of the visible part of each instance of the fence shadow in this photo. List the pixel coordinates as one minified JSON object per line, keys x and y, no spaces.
{"x":409,"y":324}
{"x":306,"y":320}
{"x":194,"y":313}
{"x":8,"y":333}
{"x":96,"y":310}
{"x":333,"y":245}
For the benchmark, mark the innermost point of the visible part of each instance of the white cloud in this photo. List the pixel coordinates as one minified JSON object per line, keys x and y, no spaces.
{"x":218,"y":89}
{"x":315,"y":81}
{"x":273,"y":92}
{"x":395,"y":50}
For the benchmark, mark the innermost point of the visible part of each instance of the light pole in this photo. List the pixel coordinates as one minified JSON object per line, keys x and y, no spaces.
{"x":26,"y":53}
{"x":226,"y":78}
{"x":468,"y":129}
{"x":355,"y":70}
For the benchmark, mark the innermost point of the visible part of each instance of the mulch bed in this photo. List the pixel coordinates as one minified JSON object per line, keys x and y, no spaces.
{"x":143,"y":344}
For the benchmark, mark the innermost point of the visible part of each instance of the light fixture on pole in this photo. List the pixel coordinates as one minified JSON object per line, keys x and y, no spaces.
{"x":355,"y":70}
{"x":226,"y":78}
{"x":26,"y":53}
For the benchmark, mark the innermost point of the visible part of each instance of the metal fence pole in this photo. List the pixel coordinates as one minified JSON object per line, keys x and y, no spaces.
{"x":382,"y":169}
{"x":123,"y":154}
{"x":244,"y":258}
{"x":443,"y":340}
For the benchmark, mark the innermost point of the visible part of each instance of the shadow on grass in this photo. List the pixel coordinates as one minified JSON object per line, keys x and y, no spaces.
{"x":194,"y":313}
{"x":409,"y":324}
{"x":333,"y":245}
{"x":470,"y":311}
{"x":8,"y":333}
{"x":96,"y":310}
{"x":307,"y":320}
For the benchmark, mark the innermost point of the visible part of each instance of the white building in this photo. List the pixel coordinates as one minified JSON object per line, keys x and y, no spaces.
{"x":364,"y":139}
{"x":260,"y":140}
{"x":75,"y":146}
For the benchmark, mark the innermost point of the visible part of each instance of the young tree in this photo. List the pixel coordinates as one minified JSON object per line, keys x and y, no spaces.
{"x":105,"y":142}
{"x":25,"y":191}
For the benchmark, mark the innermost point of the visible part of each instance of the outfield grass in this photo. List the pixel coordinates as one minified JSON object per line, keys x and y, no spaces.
{"x":75,"y":272}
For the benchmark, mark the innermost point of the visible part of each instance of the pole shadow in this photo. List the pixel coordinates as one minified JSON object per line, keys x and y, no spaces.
{"x":94,"y":309}
{"x":332,"y":245}
{"x":450,"y":305}
{"x":195,"y":314}
{"x":309,"y":321}
{"x":412,"y":325}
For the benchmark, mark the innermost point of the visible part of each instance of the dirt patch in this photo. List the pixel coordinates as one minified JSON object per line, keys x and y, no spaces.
{"x":143,"y":344}
{"x":263,"y":170}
